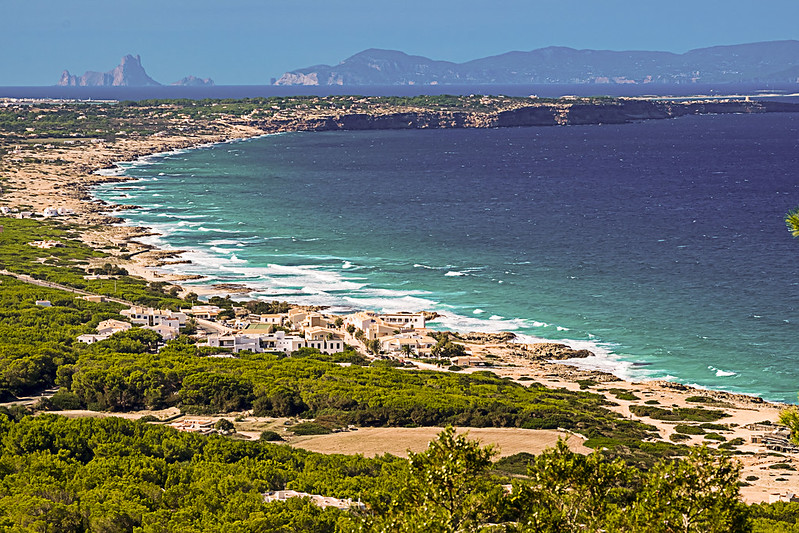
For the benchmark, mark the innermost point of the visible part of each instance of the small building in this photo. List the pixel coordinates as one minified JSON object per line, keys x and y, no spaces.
{"x":112,"y":326}
{"x":404,"y":320}
{"x":50,"y":212}
{"x":274,"y":319}
{"x":280,"y":342}
{"x":44,"y":303}
{"x":94,"y":298}
{"x":91,"y":338}
{"x":323,"y":339}
{"x":205,"y":312}
{"x":25,"y":214}
{"x":167,"y":332}
{"x":147,"y":316}
{"x":467,"y":361}
{"x":237,"y":343}
{"x":420,"y":344}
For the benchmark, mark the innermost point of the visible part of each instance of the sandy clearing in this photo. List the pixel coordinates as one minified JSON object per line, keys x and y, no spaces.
{"x":397,"y":441}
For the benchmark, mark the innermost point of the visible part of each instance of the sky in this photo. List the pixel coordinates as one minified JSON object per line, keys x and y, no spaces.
{"x":247,"y":42}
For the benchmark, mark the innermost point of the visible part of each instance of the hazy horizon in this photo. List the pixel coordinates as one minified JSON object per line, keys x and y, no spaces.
{"x":252,"y":41}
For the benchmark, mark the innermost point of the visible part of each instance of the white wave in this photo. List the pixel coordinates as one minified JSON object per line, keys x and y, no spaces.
{"x":561,"y":328}
{"x":722,"y":373}
{"x":234,"y":259}
{"x":346,"y":264}
{"x":455,"y":273}
{"x":223,"y":242}
{"x":218,"y":230}
{"x":496,"y":317}
{"x":478,"y":311}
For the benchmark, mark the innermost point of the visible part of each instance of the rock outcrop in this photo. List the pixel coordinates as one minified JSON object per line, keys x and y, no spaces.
{"x":553,"y":351}
{"x":129,"y":73}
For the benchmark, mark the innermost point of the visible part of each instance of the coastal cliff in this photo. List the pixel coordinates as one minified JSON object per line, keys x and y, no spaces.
{"x":559,"y":113}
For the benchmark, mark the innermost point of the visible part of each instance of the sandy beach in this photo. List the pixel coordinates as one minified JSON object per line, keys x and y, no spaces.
{"x":60,"y":174}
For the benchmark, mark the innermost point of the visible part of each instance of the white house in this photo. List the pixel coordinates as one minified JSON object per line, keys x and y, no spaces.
{"x":91,"y":338}
{"x":43,"y":303}
{"x":280,"y":342}
{"x":167,"y":332}
{"x":112,"y":326}
{"x":276,"y":319}
{"x":50,"y":212}
{"x":323,"y":339}
{"x":237,"y":342}
{"x":419,"y":343}
{"x":206,"y":312}
{"x":404,"y":320}
{"x":147,"y":316}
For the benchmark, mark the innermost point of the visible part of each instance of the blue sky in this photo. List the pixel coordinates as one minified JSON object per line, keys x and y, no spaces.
{"x":243,"y":42}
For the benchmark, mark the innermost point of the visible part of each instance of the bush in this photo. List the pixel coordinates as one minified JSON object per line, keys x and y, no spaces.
{"x":270,"y":436}
{"x":622,"y":394}
{"x":688,"y":429}
{"x":223,"y":424}
{"x":678,"y":437}
{"x":715,"y":436}
{"x":454,"y":368}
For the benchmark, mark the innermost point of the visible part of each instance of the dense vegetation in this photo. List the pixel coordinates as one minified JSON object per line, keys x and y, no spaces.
{"x":67,"y":264}
{"x":113,"y":475}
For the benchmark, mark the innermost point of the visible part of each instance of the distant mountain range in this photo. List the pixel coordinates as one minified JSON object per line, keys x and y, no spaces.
{"x":774,"y":61}
{"x":129,"y":73}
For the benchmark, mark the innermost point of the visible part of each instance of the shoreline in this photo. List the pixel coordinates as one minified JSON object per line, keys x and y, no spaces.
{"x":42,"y":184}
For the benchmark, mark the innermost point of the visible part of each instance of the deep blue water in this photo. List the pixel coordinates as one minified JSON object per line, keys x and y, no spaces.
{"x":660,"y":245}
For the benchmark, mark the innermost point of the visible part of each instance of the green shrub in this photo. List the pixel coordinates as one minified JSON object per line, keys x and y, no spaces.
{"x":623,"y":394}
{"x":687,"y":429}
{"x":715,"y":436}
{"x":270,"y":436}
{"x":310,"y":428}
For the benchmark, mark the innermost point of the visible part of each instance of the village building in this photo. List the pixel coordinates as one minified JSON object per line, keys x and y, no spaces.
{"x":274,"y":319}
{"x":43,"y":303}
{"x":206,"y":312}
{"x":147,"y":316}
{"x":167,"y":332}
{"x":467,"y":361}
{"x":419,"y":343}
{"x":323,"y":339}
{"x":280,"y":342}
{"x":49,"y":212}
{"x":404,"y":320}
{"x":112,"y":326}
{"x":237,"y":342}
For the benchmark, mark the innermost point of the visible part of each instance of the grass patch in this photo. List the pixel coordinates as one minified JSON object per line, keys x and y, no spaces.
{"x":693,"y":414}
{"x":623,"y":394}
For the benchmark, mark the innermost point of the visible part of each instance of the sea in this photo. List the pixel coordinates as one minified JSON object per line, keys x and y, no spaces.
{"x":658,"y":245}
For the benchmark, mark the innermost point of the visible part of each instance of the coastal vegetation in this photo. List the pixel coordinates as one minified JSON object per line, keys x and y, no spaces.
{"x":116,"y":475}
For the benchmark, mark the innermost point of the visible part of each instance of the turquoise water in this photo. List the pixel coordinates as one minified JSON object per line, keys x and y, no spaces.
{"x":658,"y":245}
